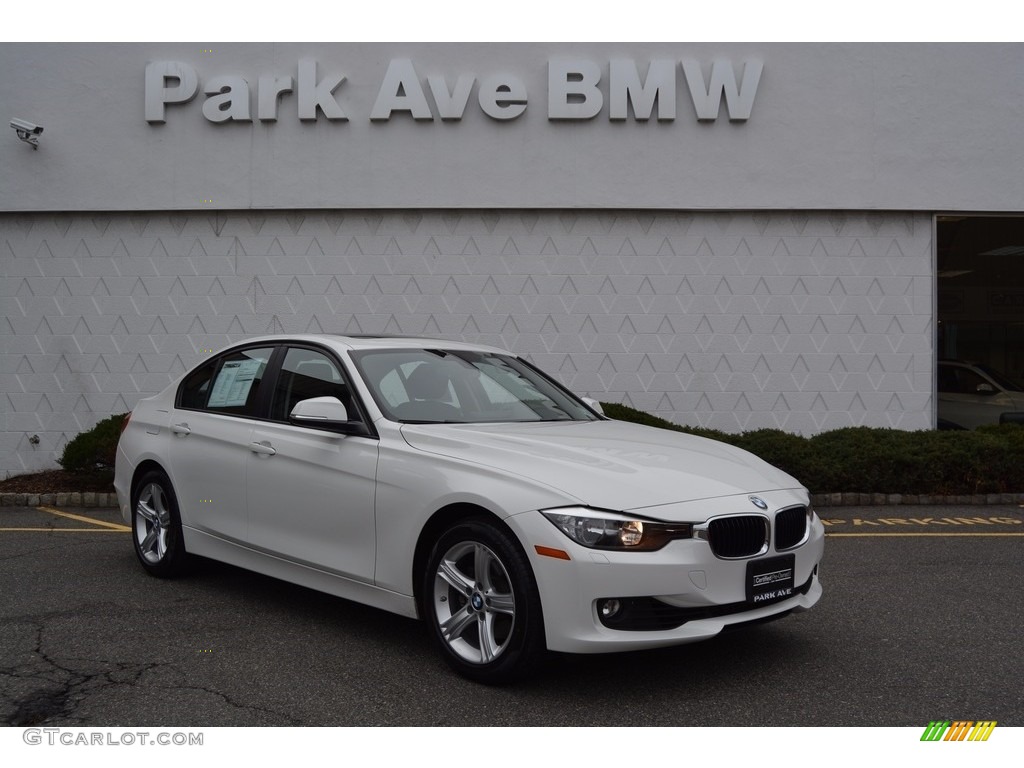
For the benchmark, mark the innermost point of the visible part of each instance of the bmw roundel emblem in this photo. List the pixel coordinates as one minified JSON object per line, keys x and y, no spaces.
{"x":758,"y":502}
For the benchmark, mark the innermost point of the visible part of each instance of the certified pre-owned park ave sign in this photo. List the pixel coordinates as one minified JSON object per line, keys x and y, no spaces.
{"x":575,"y":91}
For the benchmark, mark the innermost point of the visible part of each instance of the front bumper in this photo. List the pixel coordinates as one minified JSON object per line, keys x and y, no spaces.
{"x":693,"y":585}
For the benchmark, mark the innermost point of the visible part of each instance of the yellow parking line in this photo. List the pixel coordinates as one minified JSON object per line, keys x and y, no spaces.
{"x":946,"y":535}
{"x":81,"y":519}
{"x":62,"y":530}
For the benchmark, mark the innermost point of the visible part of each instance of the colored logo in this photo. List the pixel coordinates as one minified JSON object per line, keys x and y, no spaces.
{"x":958,"y":730}
{"x":758,"y":502}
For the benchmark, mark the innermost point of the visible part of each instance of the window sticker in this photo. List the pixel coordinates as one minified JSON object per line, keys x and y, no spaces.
{"x":233,"y":383}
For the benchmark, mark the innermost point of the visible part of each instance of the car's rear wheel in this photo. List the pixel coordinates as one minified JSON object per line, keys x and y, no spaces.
{"x":482,"y":604}
{"x":156,"y":526}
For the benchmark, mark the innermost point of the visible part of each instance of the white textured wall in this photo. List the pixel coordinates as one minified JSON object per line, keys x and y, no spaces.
{"x":803,"y":321}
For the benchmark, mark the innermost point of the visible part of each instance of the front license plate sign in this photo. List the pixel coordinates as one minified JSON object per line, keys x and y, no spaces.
{"x":770,"y":580}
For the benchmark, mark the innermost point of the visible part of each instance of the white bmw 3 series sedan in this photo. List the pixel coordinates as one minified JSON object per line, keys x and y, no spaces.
{"x":461,"y":485}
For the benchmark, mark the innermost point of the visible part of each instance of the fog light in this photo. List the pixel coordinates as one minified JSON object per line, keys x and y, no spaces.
{"x":609,"y":608}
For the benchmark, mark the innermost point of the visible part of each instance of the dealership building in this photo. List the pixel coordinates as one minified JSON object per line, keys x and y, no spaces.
{"x":734,"y":236}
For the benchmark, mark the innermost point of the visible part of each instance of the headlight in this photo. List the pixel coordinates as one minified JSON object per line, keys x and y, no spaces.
{"x":606,"y":530}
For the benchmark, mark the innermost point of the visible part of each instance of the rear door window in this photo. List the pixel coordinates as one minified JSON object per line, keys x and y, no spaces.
{"x":230,"y":384}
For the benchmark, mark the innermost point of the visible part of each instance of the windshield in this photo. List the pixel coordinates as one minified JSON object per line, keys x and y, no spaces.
{"x":438,"y":386}
{"x":1001,"y":379}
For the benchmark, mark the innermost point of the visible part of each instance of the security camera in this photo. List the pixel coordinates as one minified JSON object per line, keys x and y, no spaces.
{"x":27,"y":131}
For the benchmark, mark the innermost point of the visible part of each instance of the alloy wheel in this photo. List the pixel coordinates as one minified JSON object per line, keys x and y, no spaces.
{"x":473,"y":602}
{"x":154,"y":524}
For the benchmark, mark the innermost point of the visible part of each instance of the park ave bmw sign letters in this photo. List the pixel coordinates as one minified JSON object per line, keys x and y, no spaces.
{"x":575,"y":91}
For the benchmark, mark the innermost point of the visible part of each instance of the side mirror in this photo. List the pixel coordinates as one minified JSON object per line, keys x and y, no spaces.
{"x":985,"y":389}
{"x":594,"y":404}
{"x":325,"y":413}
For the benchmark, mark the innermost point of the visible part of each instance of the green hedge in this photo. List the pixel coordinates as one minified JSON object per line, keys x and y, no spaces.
{"x":870,"y":460}
{"x":94,"y":449}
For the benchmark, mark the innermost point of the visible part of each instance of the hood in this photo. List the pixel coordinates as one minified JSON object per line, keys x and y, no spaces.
{"x":608,"y":464}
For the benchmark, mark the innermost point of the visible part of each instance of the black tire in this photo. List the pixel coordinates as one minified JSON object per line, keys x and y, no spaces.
{"x":156,"y":526}
{"x":481,"y":603}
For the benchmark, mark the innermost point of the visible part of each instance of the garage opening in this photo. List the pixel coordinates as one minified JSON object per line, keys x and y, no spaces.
{"x":980,"y":338}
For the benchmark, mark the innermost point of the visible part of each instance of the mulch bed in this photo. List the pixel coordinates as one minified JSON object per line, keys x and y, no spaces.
{"x":57,"y":481}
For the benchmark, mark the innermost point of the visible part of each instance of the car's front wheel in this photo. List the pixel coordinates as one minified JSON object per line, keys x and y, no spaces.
{"x":482,"y":604}
{"x":156,"y":526}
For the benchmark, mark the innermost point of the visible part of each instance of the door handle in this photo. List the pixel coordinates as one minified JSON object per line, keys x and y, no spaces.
{"x":181,"y":429}
{"x":263,"y":448}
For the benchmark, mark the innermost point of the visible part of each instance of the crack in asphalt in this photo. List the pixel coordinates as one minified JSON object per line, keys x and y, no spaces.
{"x":58,"y":702}
{"x":26,"y":553}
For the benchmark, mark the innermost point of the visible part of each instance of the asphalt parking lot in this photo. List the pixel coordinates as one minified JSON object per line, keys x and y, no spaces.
{"x":921,"y":620}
